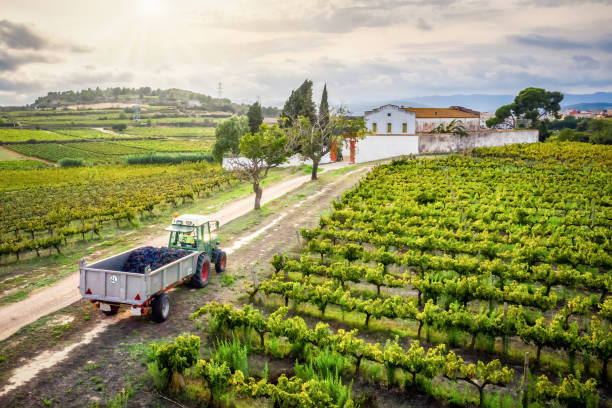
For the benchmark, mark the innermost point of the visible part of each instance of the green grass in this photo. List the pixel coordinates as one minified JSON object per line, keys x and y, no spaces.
{"x":227,"y":280}
{"x":58,"y":331}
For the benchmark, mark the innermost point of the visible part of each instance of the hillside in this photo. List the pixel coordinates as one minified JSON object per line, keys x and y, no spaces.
{"x":143,"y":95}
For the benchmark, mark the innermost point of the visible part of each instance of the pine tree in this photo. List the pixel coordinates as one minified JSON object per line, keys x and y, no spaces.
{"x":255,"y":117}
{"x":299,"y":104}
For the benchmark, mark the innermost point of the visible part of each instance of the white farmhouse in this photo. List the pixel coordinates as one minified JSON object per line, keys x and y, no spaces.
{"x":398,"y":120}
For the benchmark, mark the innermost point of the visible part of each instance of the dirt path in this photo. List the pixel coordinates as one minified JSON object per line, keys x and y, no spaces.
{"x":65,"y":292}
{"x":98,"y":368}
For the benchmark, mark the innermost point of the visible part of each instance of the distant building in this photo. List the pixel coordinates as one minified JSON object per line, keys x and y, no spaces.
{"x":484,"y":116}
{"x":399,"y":120}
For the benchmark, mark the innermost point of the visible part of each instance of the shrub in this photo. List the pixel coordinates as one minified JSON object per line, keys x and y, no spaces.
{"x":169,"y":158}
{"x":70,"y":162}
{"x":173,"y":358}
{"x":119,"y":127}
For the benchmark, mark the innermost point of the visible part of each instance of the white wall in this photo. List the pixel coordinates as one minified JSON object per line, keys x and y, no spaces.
{"x":390,"y":114}
{"x":374,"y":147}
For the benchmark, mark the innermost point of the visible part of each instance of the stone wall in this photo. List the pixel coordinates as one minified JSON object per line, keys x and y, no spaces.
{"x":424,"y":125}
{"x":446,"y":143}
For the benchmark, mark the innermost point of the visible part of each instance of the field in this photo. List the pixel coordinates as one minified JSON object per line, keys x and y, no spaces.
{"x":84,"y":133}
{"x":21,"y":164}
{"x":162,"y":115}
{"x":47,"y":206}
{"x":171,"y":131}
{"x":436,"y":277}
{"x":99,"y":147}
{"x":22,"y":135}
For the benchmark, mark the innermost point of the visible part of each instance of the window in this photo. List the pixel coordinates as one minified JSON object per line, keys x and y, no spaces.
{"x":388,"y":128}
{"x":404,"y":128}
{"x":373,"y":127}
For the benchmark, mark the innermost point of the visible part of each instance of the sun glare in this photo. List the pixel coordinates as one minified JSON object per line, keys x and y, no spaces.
{"x":150,"y":8}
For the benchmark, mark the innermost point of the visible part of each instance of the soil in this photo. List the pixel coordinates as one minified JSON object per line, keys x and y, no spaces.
{"x":95,"y":368}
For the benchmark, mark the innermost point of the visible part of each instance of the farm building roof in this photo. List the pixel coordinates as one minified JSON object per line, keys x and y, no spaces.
{"x":441,"y":113}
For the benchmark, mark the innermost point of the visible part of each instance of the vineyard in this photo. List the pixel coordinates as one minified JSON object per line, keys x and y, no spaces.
{"x":43,"y":209}
{"x":172,"y":131}
{"x":55,"y":152}
{"x":66,"y":143}
{"x":437,"y":276}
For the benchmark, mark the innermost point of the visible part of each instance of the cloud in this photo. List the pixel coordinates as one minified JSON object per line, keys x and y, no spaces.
{"x":423,"y":25}
{"x":352,"y":16}
{"x":20,"y":37}
{"x":16,"y":36}
{"x":557,"y":3}
{"x":552,"y":43}
{"x":12,"y":62}
{"x":585,"y":62}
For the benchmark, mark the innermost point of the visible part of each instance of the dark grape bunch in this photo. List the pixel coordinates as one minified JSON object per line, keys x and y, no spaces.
{"x":155,"y":257}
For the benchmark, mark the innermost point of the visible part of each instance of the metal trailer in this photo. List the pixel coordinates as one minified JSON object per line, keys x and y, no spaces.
{"x":108,"y":287}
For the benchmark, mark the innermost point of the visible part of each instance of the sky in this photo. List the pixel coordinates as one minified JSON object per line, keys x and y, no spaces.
{"x":363,"y":49}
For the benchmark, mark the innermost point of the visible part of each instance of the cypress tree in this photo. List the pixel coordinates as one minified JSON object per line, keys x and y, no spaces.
{"x":324,"y":108}
{"x":255,"y":117}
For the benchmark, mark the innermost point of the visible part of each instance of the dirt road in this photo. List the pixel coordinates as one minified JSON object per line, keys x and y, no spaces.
{"x":65,"y":292}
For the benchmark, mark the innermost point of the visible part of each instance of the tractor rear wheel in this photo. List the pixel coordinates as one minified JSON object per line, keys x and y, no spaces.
{"x":200,"y":278}
{"x":221,"y":262}
{"x":160,"y":307}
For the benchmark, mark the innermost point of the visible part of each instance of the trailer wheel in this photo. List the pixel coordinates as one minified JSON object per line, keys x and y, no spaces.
{"x":221,"y":262}
{"x":160,"y":307}
{"x":113,"y":311}
{"x":200,"y":278}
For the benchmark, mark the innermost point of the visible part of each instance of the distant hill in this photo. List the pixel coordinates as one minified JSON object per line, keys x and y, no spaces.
{"x":146,"y":96}
{"x":589,"y":106}
{"x":479,"y":102}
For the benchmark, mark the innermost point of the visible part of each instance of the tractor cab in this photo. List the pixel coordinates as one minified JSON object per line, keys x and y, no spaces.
{"x":193,"y":232}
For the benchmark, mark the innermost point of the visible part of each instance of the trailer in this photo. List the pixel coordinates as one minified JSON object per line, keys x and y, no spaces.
{"x":108,"y":286}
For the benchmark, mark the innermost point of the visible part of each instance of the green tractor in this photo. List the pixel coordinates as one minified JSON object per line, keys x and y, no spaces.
{"x":195,"y":233}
